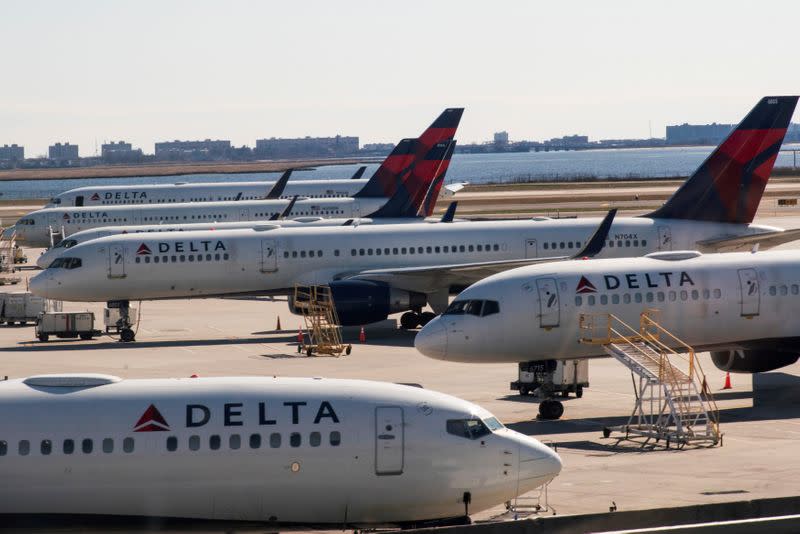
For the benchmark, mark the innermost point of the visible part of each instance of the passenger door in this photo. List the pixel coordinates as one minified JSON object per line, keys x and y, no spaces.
{"x":116,"y":261}
{"x":664,"y":238}
{"x":750,"y":292}
{"x":79,"y":200}
{"x":531,"y":248}
{"x":269,"y":256}
{"x":389,"y":440}
{"x":244,"y":214}
{"x":549,"y":307}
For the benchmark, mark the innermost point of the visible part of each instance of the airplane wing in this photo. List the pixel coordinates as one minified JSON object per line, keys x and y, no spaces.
{"x":431,"y":278}
{"x":764,"y":241}
{"x":359,"y":173}
{"x":285,"y":213}
{"x":280,"y":185}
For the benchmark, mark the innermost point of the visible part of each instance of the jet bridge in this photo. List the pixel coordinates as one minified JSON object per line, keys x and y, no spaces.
{"x":672,"y":399}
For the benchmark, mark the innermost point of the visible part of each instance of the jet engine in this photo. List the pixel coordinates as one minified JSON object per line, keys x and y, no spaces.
{"x":360,"y":302}
{"x":752,"y":361}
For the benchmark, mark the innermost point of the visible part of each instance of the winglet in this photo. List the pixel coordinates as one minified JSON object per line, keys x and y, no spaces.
{"x":286,"y":211}
{"x":597,"y":242}
{"x":359,"y":173}
{"x":450,"y":213}
{"x":280,"y":185}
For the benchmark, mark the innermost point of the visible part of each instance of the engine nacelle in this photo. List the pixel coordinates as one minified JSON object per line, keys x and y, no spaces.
{"x":752,"y":361}
{"x":360,"y":302}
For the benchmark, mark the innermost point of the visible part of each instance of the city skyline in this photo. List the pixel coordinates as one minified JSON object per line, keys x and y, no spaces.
{"x":90,"y":72}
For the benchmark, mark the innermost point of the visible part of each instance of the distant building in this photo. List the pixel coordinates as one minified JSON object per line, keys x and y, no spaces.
{"x":192,"y":150}
{"x":306,"y":147}
{"x":12,"y":153}
{"x":120,"y":152}
{"x":501,"y":138}
{"x":698,"y":134}
{"x":63,"y":152}
{"x":377,"y":148}
{"x":569,"y":141}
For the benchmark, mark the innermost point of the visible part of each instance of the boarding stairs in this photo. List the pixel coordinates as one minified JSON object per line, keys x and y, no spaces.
{"x":322,"y":324}
{"x":7,"y":259}
{"x":56,"y":235}
{"x":672,"y":399}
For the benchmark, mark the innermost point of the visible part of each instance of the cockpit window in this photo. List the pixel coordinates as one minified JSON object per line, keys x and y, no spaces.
{"x":479,"y":308}
{"x":65,"y":263}
{"x":28,"y":222}
{"x":467,"y":428}
{"x":55,"y":200}
{"x":66,"y":243}
{"x":493,"y":423}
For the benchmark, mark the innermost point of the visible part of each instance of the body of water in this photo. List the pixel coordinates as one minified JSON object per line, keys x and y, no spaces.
{"x":473,"y":168}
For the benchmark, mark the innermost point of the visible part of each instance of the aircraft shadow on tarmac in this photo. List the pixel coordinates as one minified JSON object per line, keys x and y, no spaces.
{"x":71,"y":345}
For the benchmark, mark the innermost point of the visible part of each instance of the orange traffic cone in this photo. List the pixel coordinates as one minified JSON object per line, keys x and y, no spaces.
{"x":362,"y":336}
{"x":278,"y":326}
{"x":300,"y":336}
{"x":727,"y":381}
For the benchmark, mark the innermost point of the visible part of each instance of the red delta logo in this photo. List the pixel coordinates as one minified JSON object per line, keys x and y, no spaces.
{"x":66,"y":216}
{"x":143,"y":250}
{"x":151,"y":421}
{"x":585,"y":286}
{"x":96,"y":196}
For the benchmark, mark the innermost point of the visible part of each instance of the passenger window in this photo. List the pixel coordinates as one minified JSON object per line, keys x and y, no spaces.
{"x":615,"y":299}
{"x":235,"y":441}
{"x":672,"y":296}
{"x":772,"y":291}
{"x":335,"y":438}
{"x":46,"y":446}
{"x":108,"y":445}
{"x":644,"y":242}
{"x":611,"y":244}
{"x":274,"y":440}
{"x":127,"y":445}
{"x":626,"y":298}
{"x":214,"y":442}
{"x":315,"y":439}
{"x":784,"y":291}
{"x":706,"y":294}
{"x":87,"y":446}
{"x":603,"y":299}
{"x":590,"y":300}
{"x":660,"y":295}
{"x":194,"y":443}
{"x":684,"y":294}
{"x":496,"y":247}
{"x":695,"y":294}
{"x":24,"y":447}
{"x":255,"y":441}
{"x":302,"y":253}
{"x":352,"y":252}
{"x":295,"y":439}
{"x":649,"y":296}
{"x":578,"y":300}
{"x":637,"y":297}
{"x":68,"y":447}
{"x":635,"y":242}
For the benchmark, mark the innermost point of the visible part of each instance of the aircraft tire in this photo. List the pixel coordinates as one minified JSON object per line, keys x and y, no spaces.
{"x":426,"y":317}
{"x":86,"y":336}
{"x":550,"y":409}
{"x":43,"y":337}
{"x":579,"y":392}
{"x":409,"y":320}
{"x":126,"y":335}
{"x":524,"y":390}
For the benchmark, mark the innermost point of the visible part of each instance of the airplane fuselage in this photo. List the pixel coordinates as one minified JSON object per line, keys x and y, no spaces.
{"x":279,"y":450}
{"x":714,"y":302}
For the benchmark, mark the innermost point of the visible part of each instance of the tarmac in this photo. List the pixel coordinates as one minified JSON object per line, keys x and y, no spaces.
{"x":214,"y":337}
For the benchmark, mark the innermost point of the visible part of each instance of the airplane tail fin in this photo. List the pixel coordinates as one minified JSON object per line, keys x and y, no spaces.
{"x":728,"y":185}
{"x":427,"y":203}
{"x":359,"y":173}
{"x":407,"y":200}
{"x":392,"y":172}
{"x":280,"y":185}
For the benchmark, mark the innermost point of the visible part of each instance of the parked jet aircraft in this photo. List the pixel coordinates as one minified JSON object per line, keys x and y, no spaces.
{"x":444,"y":127}
{"x":372,"y":270}
{"x":58,"y":250}
{"x":285,"y":451}
{"x":411,"y":174}
{"x":733,"y":304}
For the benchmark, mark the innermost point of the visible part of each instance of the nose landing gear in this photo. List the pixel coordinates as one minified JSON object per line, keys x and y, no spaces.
{"x":124,"y":326}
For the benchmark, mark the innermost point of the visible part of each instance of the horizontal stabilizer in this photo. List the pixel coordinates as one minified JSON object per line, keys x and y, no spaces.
{"x":764,"y":241}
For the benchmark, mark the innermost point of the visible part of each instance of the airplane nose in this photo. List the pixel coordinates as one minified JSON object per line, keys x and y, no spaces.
{"x":432,"y":340}
{"x":38,"y":285}
{"x":538,"y":463}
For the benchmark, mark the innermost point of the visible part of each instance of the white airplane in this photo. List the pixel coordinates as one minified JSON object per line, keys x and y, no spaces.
{"x":282,"y":451}
{"x":58,"y":250}
{"x":444,"y":127}
{"x":735,"y":305}
{"x":412,"y":176}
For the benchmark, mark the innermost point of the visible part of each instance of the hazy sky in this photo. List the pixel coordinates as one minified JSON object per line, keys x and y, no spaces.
{"x":144,"y":71}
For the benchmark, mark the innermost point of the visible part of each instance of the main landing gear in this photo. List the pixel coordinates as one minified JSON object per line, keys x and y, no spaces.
{"x":124,"y":326}
{"x":411,"y":319}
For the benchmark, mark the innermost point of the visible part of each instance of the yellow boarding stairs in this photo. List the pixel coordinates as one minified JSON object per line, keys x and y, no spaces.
{"x":672,"y":399}
{"x":7,"y":265}
{"x":322,"y":324}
